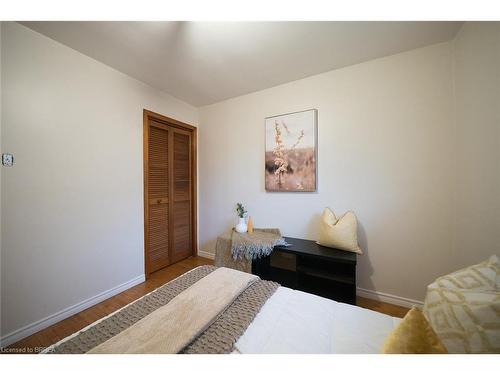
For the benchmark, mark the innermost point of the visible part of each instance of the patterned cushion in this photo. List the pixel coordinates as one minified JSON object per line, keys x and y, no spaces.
{"x":463,"y":308}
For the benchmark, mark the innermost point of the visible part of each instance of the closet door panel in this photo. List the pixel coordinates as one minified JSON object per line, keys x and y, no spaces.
{"x":181,"y":193}
{"x":182,"y":229}
{"x":158,"y":193}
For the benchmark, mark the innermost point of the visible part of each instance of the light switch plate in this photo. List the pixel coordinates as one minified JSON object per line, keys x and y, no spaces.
{"x":7,"y":160}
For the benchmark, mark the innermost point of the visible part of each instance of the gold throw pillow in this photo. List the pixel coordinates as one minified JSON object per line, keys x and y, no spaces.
{"x":413,"y":335}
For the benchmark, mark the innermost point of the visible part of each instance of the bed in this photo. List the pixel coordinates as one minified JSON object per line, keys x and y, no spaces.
{"x":218,"y":310}
{"x":292,"y":321}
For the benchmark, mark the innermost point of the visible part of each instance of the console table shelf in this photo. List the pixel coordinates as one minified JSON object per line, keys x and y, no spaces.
{"x":312,"y":268}
{"x":350,"y":280}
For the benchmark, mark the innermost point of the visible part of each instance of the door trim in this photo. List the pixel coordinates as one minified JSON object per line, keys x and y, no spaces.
{"x":149,"y":115}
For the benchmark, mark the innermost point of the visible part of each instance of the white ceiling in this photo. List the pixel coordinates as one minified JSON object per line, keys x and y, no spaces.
{"x":206,"y":62}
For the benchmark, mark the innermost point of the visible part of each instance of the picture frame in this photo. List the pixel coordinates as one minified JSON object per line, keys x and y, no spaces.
{"x":291,"y":149}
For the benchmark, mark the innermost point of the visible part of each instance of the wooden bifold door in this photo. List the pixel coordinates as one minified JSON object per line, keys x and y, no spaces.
{"x":169,"y":191}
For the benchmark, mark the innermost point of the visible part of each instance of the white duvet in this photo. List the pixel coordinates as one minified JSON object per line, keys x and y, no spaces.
{"x":296,"y":322}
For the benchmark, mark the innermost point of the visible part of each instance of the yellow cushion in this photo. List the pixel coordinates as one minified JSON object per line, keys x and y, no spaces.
{"x":339,"y":233}
{"x":413,"y":335}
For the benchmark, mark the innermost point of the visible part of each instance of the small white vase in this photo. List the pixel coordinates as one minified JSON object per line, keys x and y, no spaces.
{"x":241,"y":227}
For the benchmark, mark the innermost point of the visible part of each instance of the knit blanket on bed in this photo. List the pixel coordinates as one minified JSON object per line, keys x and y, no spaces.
{"x":219,"y":337}
{"x":170,"y":328}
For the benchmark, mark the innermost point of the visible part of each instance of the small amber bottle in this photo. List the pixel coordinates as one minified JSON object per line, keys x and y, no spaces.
{"x":250,"y":225}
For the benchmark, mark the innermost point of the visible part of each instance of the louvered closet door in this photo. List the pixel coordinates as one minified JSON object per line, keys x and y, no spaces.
{"x":181,"y":194}
{"x":157,"y":241}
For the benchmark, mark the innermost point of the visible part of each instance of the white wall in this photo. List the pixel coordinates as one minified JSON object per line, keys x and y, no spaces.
{"x":72,"y":206}
{"x":477,"y":110}
{"x":386,"y":151}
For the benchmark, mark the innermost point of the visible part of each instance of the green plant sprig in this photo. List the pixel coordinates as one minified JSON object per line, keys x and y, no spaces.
{"x":240,"y":210}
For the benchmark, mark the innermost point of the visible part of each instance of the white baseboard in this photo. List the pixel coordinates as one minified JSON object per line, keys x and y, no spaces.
{"x":32,"y":328}
{"x":205,"y":254}
{"x":388,"y":298}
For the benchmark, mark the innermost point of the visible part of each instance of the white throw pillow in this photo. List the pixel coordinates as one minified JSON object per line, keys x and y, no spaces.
{"x":339,"y":233}
{"x":463,"y":308}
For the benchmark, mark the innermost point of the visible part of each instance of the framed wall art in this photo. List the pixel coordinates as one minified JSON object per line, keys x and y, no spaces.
{"x":291,"y":152}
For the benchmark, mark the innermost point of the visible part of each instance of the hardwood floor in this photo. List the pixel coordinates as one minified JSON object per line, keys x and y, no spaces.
{"x":66,"y":327}
{"x":385,"y":308}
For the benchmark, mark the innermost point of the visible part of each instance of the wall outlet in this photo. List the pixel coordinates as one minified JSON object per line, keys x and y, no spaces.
{"x":7,"y":160}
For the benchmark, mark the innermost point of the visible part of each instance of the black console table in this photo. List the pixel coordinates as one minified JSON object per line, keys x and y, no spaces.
{"x":311,"y":268}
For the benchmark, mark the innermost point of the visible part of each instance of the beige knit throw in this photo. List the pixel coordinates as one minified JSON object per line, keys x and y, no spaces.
{"x":243,"y":243}
{"x":255,"y":245}
{"x":172,"y":327}
{"x":218,"y":338}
